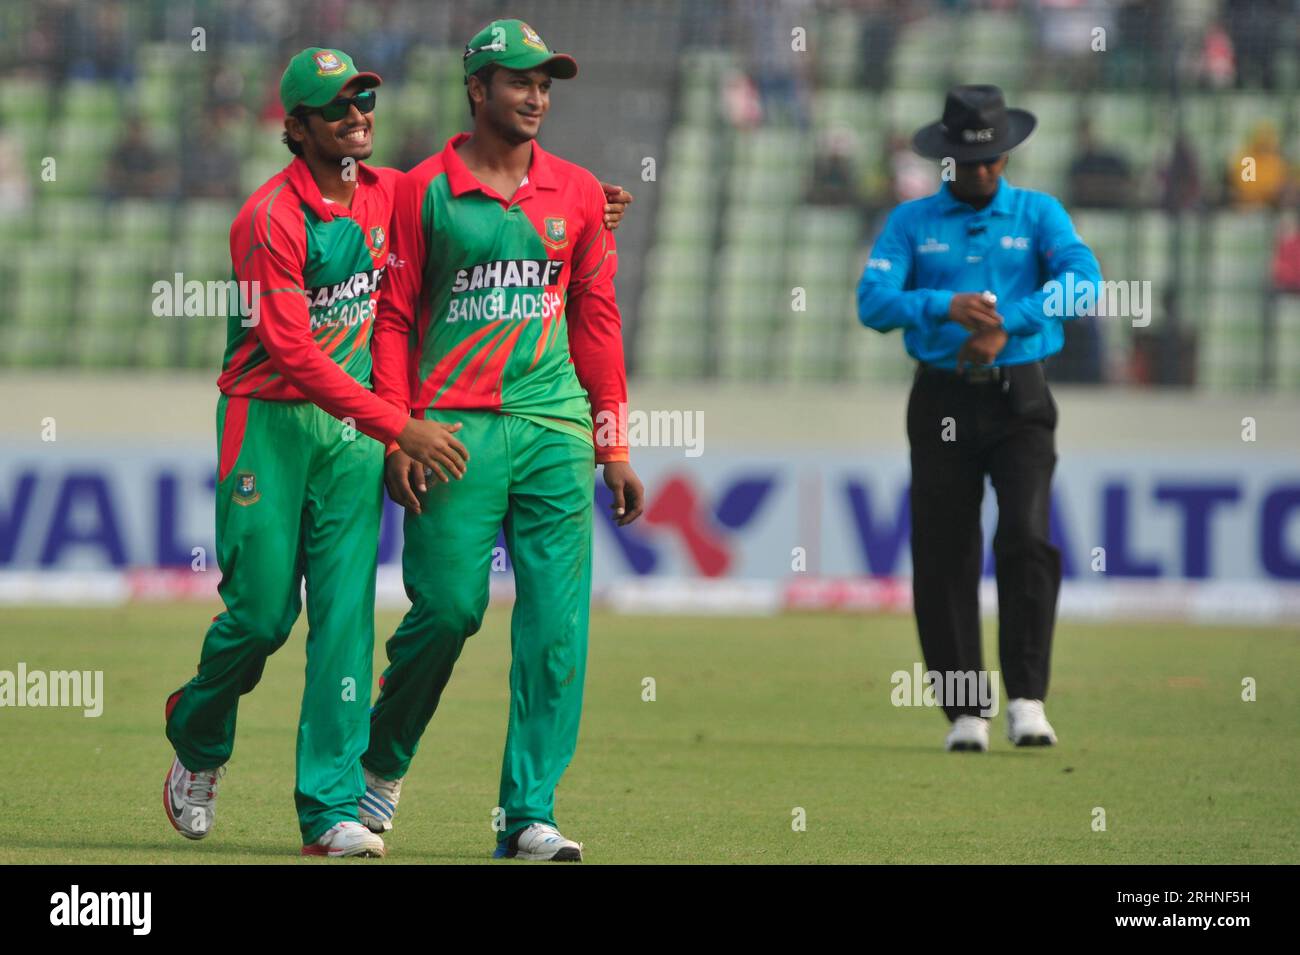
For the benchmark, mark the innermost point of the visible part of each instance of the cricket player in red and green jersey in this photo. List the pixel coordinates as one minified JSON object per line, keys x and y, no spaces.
{"x":500,"y":317}
{"x":300,"y":446}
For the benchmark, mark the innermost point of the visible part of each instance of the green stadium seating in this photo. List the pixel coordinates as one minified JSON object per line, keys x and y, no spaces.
{"x":1286,"y":354}
{"x":43,"y":305}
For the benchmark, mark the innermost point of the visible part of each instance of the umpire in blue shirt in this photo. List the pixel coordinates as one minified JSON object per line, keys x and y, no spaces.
{"x":963,"y":273}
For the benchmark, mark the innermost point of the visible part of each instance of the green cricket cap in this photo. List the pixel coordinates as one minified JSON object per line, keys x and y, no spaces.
{"x":516,"y":46}
{"x":315,"y":76}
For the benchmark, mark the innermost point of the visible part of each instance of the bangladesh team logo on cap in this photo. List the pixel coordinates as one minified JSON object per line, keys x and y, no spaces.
{"x":246,"y":488}
{"x":557,"y":236}
{"x":531,"y":38}
{"x":516,"y":46}
{"x":328,"y":64}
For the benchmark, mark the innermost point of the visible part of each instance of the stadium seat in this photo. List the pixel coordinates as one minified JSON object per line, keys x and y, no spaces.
{"x":1230,"y":344}
{"x":1286,"y":356}
{"x":42,"y":305}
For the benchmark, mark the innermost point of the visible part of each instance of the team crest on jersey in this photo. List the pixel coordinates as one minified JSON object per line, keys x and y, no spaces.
{"x":377,"y":238}
{"x":531,"y":38}
{"x":328,"y":63}
{"x":556,"y":233}
{"x":246,"y":488}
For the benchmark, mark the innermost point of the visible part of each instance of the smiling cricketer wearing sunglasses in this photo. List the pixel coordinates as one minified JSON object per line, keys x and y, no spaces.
{"x":300,"y":440}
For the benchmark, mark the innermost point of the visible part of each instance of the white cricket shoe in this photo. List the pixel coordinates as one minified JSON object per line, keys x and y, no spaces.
{"x":191,"y":799}
{"x":346,"y":839}
{"x":1027,"y":725}
{"x":969,"y":734}
{"x":541,"y":843}
{"x":378,"y":802}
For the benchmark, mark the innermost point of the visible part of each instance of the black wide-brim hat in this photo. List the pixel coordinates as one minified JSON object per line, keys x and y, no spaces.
{"x":976,"y":125}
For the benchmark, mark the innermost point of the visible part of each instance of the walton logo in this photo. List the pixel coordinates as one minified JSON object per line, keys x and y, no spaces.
{"x":678,"y":510}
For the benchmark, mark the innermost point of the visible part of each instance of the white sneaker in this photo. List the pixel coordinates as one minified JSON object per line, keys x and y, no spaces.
{"x":347,"y":839}
{"x":378,"y":802}
{"x":191,"y":799}
{"x":1027,"y":725}
{"x":542,"y":843}
{"x":969,"y":734}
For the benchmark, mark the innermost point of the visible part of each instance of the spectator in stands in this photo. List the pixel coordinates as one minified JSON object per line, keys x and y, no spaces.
{"x":1066,"y":37}
{"x":224,"y":94}
{"x":1258,"y":175}
{"x":415,"y":148}
{"x":1256,"y":28}
{"x":1099,"y":177}
{"x":135,"y":168}
{"x":43,"y":48}
{"x":740,"y":100}
{"x":1218,"y":62}
{"x":833,"y":182}
{"x":1179,"y":177}
{"x":1286,"y":257}
{"x":910,"y":176}
{"x":778,"y":70}
{"x":210,"y":163}
{"x":15,"y":183}
{"x":880,"y":21}
{"x":102,"y":44}
{"x":1141,"y":60}
{"x":387,"y":38}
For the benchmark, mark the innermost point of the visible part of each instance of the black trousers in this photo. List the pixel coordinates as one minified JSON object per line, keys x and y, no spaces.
{"x":959,"y":432}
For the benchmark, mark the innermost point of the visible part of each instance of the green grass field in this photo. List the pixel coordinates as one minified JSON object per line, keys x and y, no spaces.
{"x":753,"y":718}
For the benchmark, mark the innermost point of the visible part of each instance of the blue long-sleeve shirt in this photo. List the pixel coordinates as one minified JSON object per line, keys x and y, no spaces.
{"x":934,"y":247}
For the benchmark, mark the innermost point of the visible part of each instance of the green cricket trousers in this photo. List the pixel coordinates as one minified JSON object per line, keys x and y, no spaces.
{"x":299,"y":495}
{"x":537,"y":482}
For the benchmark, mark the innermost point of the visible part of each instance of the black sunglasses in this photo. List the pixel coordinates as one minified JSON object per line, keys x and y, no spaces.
{"x":335,"y":110}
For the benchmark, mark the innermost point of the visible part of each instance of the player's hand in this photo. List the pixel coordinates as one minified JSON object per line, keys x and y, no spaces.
{"x":616,"y":200}
{"x":434,"y":445}
{"x":973,"y":311}
{"x":981,"y":348}
{"x":403,"y":477}
{"x":629,"y":494}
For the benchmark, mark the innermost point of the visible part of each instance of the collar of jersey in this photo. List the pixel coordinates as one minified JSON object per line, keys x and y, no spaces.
{"x":1001,"y":204}
{"x":305,"y":186}
{"x":461,"y":180}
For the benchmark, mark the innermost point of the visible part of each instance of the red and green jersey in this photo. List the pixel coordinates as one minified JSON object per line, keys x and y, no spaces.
{"x":317,"y":266}
{"x":504,"y":305}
